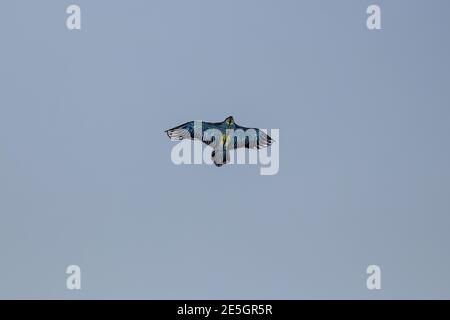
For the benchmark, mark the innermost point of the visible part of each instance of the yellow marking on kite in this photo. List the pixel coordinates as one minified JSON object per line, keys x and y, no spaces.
{"x":225,"y":138}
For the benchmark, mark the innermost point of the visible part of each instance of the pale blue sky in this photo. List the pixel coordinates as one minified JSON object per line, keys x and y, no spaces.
{"x":85,"y":170}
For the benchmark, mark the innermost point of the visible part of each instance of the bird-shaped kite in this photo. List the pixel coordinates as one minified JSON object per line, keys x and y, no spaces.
{"x":221,"y":136}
